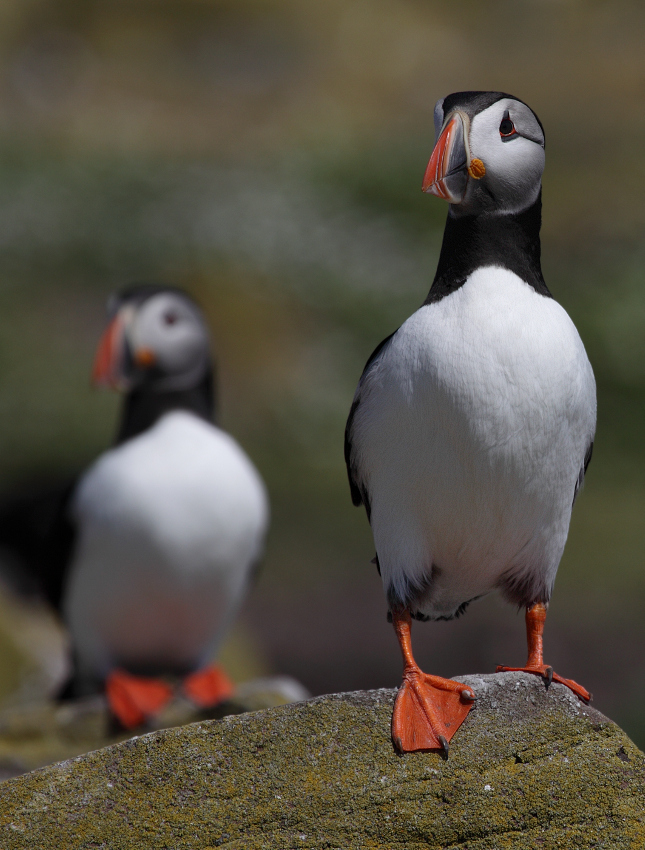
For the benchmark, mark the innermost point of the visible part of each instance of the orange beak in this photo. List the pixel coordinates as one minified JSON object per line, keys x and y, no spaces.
{"x":109,"y":355}
{"x":446,"y":175}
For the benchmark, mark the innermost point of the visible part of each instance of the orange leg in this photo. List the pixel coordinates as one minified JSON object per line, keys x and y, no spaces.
{"x":535,"y":617}
{"x":428,"y":709}
{"x":133,"y":699}
{"x":208,"y":687}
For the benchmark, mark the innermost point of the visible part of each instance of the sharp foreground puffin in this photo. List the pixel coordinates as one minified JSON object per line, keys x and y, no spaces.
{"x":154,"y":545}
{"x":473,"y":424}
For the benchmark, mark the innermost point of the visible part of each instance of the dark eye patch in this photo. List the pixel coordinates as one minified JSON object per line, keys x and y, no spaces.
{"x":170,"y":318}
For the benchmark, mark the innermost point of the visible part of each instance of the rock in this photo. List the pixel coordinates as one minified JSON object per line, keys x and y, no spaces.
{"x":529,"y":768}
{"x":42,"y":732}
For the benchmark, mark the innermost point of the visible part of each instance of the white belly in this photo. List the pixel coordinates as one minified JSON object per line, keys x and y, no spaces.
{"x":170,"y":526}
{"x":470,"y":435}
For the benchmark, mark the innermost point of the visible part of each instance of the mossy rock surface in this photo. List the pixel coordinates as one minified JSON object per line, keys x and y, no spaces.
{"x":37,"y":734}
{"x":529,"y":768}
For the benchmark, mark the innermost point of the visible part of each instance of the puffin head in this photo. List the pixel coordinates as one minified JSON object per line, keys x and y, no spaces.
{"x":156,"y":340}
{"x":489,"y":153}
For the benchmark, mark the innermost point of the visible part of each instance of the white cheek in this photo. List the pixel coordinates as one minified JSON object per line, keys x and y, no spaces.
{"x":178,"y":351}
{"x":513,"y":170}
{"x":513,"y":167}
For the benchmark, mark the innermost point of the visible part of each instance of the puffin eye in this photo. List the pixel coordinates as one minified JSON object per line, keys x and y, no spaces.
{"x":507,"y":128}
{"x":170,"y":318}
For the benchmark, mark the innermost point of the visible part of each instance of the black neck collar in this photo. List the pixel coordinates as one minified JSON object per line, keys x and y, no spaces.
{"x":471,"y":242}
{"x":143,"y":407}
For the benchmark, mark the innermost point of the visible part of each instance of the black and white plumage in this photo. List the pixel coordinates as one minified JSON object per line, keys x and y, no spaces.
{"x":158,"y":539}
{"x":472,"y":425}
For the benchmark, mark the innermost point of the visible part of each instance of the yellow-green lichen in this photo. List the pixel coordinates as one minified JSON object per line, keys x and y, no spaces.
{"x":529,"y":768}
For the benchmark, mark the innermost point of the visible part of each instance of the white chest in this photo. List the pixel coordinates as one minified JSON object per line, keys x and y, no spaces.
{"x":469,"y":436}
{"x":169,"y":527}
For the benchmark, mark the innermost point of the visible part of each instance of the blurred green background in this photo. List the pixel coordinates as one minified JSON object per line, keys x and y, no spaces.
{"x":268,"y":157}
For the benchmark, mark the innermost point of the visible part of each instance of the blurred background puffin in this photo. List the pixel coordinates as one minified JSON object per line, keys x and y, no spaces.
{"x":149,"y":553}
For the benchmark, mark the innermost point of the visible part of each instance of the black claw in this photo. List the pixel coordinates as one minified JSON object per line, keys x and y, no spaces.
{"x":444,"y":744}
{"x":399,"y":744}
{"x":548,"y":676}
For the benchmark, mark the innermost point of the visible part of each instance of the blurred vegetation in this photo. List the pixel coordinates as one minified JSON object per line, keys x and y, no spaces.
{"x":268,"y":156}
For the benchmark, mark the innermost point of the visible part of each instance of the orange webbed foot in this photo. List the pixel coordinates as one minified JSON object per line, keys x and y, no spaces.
{"x":208,"y":687}
{"x":428,"y":711}
{"x":134,"y":699}
{"x":535,"y":619}
{"x":546,"y":672}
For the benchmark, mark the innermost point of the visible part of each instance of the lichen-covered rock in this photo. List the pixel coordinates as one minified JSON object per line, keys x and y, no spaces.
{"x":529,"y":768}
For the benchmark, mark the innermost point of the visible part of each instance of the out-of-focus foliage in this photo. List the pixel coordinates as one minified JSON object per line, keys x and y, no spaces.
{"x":268,"y":156}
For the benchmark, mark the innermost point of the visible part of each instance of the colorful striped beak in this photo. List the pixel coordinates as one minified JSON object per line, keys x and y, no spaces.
{"x":108,"y":362}
{"x":447,"y":172}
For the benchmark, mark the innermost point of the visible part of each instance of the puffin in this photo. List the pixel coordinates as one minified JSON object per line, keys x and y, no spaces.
{"x":149,"y":553}
{"x":472,"y":425}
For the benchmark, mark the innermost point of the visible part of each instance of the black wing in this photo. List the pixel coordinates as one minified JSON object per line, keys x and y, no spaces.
{"x":37,"y":540}
{"x":359,"y":494}
{"x":583,"y":471}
